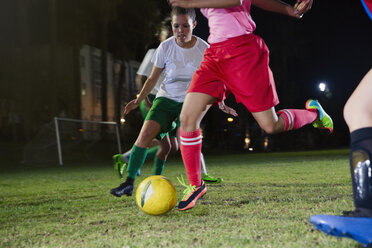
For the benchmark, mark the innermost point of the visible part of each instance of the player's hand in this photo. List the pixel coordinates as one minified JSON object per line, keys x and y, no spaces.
{"x":227,"y":109}
{"x":130,"y":106}
{"x":301,"y":7}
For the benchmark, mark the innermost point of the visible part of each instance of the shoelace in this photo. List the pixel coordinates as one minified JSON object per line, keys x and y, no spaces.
{"x":189,"y":188}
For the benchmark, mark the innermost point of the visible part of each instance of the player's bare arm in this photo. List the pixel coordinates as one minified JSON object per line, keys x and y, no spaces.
{"x":140,"y":81}
{"x":150,"y":83}
{"x":205,"y":3}
{"x":300,"y":8}
{"x":146,"y":89}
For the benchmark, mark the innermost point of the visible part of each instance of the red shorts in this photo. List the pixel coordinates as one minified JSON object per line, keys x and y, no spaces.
{"x":239,"y":65}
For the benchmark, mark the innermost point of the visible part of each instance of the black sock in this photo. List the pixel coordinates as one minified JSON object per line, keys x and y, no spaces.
{"x":361,"y":168}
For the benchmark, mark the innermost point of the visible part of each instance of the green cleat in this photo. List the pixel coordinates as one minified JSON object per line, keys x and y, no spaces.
{"x":119,"y":165}
{"x":324,"y":121}
{"x":210,"y":179}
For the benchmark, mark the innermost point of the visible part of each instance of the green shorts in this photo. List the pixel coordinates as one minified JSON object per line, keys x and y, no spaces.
{"x":166,"y":112}
{"x":143,"y":105}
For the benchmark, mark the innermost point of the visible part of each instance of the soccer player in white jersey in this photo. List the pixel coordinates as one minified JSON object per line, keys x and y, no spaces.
{"x":144,"y":71}
{"x":178,"y":58}
{"x":155,"y":149}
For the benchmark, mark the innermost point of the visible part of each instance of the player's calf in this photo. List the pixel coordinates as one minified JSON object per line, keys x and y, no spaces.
{"x":361,"y":172}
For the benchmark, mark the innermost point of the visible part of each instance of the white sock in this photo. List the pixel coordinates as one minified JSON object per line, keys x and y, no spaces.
{"x":202,"y":164}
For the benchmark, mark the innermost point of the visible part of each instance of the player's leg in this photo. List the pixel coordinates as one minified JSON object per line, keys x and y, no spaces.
{"x":204,"y":174}
{"x":153,"y":149}
{"x":269,"y":121}
{"x":358,"y":116}
{"x":174,"y":142}
{"x":148,"y":132}
{"x":161,"y":155}
{"x":288,"y":119}
{"x":358,"y":108}
{"x":194,"y":108}
{"x":121,"y":160}
{"x":249,"y":77}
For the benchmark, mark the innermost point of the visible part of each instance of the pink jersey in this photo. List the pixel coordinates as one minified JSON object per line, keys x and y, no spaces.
{"x":229,"y":22}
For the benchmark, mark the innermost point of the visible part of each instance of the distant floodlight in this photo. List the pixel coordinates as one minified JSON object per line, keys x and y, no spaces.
{"x":322,"y":87}
{"x":230,"y":119}
{"x":250,"y":149}
{"x":122,"y":120}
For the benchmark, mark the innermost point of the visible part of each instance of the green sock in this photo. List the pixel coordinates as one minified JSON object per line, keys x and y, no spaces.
{"x":152,"y":152}
{"x":136,"y":160}
{"x":158,"y":166}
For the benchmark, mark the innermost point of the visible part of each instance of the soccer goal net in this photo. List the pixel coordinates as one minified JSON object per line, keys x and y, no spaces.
{"x":70,"y":140}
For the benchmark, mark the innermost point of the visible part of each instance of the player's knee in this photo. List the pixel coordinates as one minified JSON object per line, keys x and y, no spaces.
{"x":348,"y":114}
{"x":144,"y":139}
{"x":187,"y":122}
{"x":357,"y":114}
{"x":269,"y":129}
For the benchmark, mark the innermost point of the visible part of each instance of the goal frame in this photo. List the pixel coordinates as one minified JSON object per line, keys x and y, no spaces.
{"x":59,"y":146}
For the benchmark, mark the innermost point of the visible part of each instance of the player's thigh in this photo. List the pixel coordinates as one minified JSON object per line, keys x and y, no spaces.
{"x":358,"y":109}
{"x":194,"y":108}
{"x":268,"y":120}
{"x":148,"y":132}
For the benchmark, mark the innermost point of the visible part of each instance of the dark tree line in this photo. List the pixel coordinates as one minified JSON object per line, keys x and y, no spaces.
{"x":38,"y":80}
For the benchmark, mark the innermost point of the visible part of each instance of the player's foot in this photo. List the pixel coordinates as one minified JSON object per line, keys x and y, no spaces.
{"x":119,"y":165}
{"x":123,"y":189}
{"x":358,"y":212}
{"x":324,"y":121}
{"x":191,"y":195}
{"x":210,"y":179}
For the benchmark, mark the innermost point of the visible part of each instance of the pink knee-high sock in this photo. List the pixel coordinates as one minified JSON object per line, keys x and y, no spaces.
{"x":297,"y":118}
{"x":191,"y":143}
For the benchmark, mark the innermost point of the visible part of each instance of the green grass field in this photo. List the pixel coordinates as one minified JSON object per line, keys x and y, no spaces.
{"x":265,"y":201}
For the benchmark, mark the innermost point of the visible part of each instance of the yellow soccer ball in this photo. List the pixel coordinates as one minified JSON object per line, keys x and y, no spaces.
{"x":156,"y":195}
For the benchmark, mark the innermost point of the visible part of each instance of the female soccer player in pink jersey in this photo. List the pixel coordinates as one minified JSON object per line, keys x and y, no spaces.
{"x":238,"y":62}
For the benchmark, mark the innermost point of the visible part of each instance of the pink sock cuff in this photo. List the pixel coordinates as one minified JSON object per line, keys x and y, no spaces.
{"x":288,"y":119}
{"x":297,"y":118}
{"x":190,"y":138}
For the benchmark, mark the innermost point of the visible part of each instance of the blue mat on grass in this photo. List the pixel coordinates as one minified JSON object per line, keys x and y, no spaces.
{"x":357,"y":228}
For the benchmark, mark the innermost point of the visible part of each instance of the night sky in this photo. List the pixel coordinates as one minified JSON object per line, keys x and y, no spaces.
{"x":332,"y":43}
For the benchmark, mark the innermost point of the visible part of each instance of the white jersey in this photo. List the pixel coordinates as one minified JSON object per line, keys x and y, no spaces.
{"x":146,"y":68}
{"x":179,"y":66}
